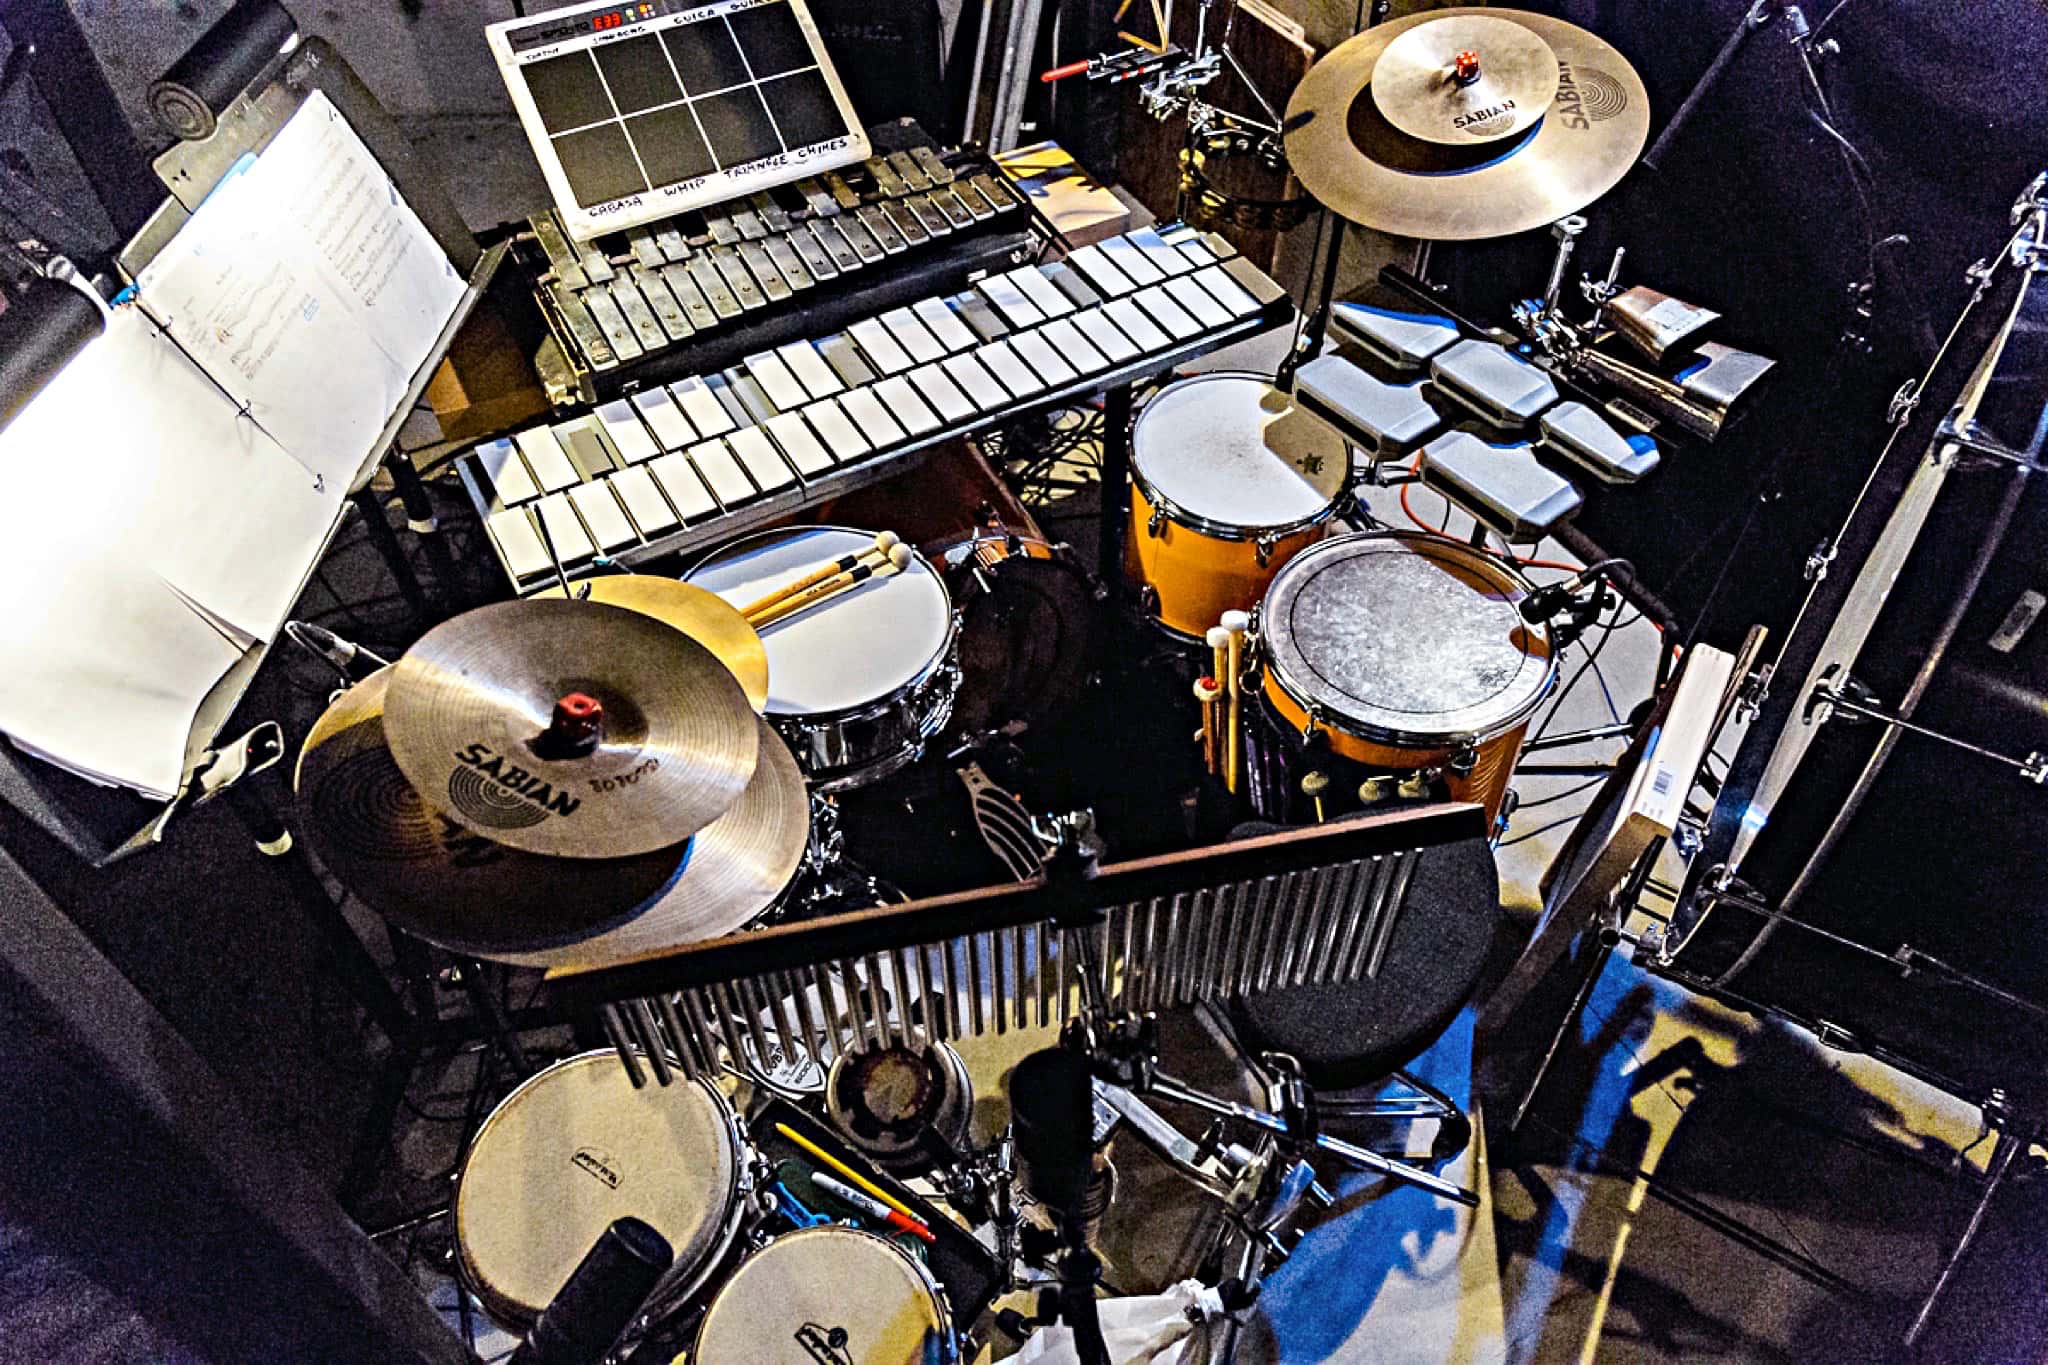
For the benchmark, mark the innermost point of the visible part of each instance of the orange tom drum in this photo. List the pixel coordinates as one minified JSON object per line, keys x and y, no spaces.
{"x":1229,"y":481}
{"x":1399,"y":665}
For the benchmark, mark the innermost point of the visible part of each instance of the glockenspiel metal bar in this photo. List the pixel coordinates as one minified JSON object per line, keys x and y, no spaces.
{"x":816,"y":1009}
{"x":687,"y":1051}
{"x":649,"y":1035}
{"x":615,"y":1030}
{"x":1397,"y":899}
{"x":1356,"y":915}
{"x":1339,"y":899}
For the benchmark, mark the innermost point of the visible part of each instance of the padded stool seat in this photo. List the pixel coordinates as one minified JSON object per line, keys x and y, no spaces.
{"x":1359,"y":1033}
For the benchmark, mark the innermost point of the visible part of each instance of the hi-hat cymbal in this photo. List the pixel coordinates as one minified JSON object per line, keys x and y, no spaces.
{"x":1465,"y":79}
{"x":573,"y":729}
{"x":429,"y":875}
{"x":738,"y":866}
{"x":704,"y":616}
{"x":1351,"y":158}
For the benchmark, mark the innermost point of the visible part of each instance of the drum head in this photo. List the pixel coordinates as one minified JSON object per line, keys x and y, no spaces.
{"x":575,"y":1147}
{"x":1230,"y":451}
{"x":851,"y":651}
{"x":827,"y":1294}
{"x":1405,"y":639}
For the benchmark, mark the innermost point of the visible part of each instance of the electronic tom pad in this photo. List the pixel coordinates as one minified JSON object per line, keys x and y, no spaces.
{"x":640,"y":111}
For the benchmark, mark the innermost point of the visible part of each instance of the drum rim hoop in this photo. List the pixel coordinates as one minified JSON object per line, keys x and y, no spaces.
{"x":1278,"y":676}
{"x":729,"y":1221}
{"x":877,"y":705}
{"x":1231,"y":531}
{"x":921,"y":1272}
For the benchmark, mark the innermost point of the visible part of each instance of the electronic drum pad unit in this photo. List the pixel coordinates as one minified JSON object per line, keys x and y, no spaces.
{"x":642,"y":111}
{"x":1458,"y":124}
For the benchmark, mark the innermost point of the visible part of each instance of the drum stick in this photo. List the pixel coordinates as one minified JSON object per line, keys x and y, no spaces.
{"x":1207,"y":690}
{"x":1236,"y":622}
{"x":851,"y":1174}
{"x":885,"y":542}
{"x":897,"y":562}
{"x":1219,"y":652}
{"x":1219,"y":669}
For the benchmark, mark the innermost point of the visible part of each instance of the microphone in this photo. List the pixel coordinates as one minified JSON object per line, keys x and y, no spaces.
{"x":1553,"y":598}
{"x":1052,"y":1117}
{"x":326,"y":644}
{"x":604,"y":1291}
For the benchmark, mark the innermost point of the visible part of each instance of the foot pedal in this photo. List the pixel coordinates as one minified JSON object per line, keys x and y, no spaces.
{"x":1574,"y":430}
{"x":1503,"y":486}
{"x":1404,"y":340}
{"x":1494,"y":383}
{"x":1386,"y":419}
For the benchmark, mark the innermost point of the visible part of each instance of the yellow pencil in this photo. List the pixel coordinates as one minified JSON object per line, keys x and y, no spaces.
{"x":842,"y":1168}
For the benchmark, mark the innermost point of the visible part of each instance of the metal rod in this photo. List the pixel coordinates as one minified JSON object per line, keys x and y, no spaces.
{"x":2030,"y":767}
{"x":1171,"y":1089}
{"x":1619,"y":730}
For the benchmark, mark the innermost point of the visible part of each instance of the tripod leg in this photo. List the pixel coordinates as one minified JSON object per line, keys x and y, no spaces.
{"x":492,"y":1015}
{"x":364,"y":978}
{"x":386,"y":541}
{"x":2002,"y":1156}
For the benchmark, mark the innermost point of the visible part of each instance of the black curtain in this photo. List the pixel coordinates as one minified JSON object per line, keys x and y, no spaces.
{"x":1753,"y":213}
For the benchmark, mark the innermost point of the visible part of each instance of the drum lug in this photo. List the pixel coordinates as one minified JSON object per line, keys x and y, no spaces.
{"x":1462,"y":761}
{"x":1156,"y":523}
{"x":1148,"y":600}
{"x":1263,"y":548}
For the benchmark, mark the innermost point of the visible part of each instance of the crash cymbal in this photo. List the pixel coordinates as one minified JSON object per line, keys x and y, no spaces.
{"x":738,"y":866}
{"x":1465,"y":79}
{"x":430,"y":876}
{"x":704,"y":616}
{"x":1351,"y":158}
{"x":573,"y":729}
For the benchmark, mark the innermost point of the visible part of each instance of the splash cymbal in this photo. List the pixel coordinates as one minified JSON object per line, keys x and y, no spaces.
{"x":1464,"y":79}
{"x":429,"y":875}
{"x":1347,"y":153}
{"x":574,"y":729}
{"x":738,"y":866}
{"x":704,"y":616}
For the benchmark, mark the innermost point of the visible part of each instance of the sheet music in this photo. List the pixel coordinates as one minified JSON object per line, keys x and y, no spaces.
{"x":309,"y":290}
{"x":149,"y":535}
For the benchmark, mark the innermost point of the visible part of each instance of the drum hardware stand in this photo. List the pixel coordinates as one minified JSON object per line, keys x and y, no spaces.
{"x":834,"y":878}
{"x":1115,"y":486}
{"x":2016,"y":1133}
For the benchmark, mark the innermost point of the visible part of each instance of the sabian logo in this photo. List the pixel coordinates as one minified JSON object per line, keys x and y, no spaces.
{"x":502,"y":795}
{"x":597,"y":1164}
{"x":1483,"y":116}
{"x":827,"y":1346}
{"x":1570,"y":105}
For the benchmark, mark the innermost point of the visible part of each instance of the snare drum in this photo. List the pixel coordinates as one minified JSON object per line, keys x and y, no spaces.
{"x":828,"y":1296}
{"x":1403,"y":658}
{"x":575,"y":1147}
{"x":1229,"y":481}
{"x":858,"y":683}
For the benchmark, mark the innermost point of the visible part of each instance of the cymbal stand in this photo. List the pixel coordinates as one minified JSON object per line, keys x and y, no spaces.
{"x":1310,"y":339}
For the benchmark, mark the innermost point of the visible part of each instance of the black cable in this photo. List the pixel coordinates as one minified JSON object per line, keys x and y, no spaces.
{"x":1573,"y":818}
{"x":1555,"y":797}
